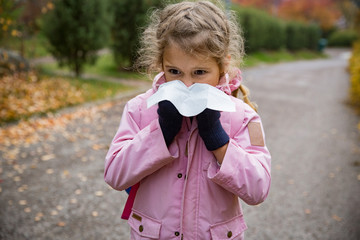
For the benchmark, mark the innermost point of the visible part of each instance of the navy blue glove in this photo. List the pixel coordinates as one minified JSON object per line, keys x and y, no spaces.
{"x":211,"y":130}
{"x":170,"y":120}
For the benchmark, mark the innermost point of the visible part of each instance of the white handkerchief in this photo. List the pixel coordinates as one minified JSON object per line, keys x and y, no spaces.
{"x":190,"y":101}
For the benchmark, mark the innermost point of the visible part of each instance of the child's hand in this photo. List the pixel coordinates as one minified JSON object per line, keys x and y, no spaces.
{"x":211,"y":130}
{"x":170,"y":120}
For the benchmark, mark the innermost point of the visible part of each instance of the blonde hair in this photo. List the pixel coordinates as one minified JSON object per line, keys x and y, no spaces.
{"x":197,"y":27}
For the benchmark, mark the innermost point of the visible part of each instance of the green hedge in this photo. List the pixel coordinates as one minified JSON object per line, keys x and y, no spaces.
{"x":313,"y":36}
{"x":344,"y":38}
{"x":263,"y":31}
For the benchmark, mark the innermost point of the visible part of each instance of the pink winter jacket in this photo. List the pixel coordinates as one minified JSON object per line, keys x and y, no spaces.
{"x":184,"y":193}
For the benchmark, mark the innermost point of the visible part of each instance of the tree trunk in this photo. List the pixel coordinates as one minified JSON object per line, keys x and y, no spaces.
{"x":77,"y":69}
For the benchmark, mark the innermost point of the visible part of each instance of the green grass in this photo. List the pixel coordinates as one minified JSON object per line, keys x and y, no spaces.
{"x":104,"y":66}
{"x":34,"y":46}
{"x":94,"y":89}
{"x":271,"y":57}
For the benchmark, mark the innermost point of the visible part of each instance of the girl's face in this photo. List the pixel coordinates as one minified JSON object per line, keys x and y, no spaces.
{"x":190,"y":69}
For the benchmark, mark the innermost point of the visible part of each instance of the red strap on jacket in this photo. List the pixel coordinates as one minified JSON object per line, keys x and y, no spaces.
{"x":130,"y":202}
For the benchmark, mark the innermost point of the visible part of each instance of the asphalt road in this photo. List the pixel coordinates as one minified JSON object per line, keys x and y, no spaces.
{"x":51,"y":181}
{"x":311,"y":133}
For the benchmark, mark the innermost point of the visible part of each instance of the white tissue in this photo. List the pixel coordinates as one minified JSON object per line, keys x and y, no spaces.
{"x":190,"y":101}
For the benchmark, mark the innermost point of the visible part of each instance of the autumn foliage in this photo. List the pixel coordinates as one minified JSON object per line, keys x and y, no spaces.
{"x":354,"y":67}
{"x":323,"y":12}
{"x":25,"y":94}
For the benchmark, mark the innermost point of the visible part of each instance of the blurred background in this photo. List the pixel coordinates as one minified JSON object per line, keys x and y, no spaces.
{"x":65,"y":75}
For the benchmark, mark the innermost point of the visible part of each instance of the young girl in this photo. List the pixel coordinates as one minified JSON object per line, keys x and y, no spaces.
{"x":189,"y":172}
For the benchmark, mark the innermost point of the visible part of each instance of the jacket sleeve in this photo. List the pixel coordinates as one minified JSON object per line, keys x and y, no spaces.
{"x":245,"y":170}
{"x":134,"y":152}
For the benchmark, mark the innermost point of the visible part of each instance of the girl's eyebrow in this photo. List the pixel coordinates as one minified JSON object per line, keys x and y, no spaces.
{"x":197,"y":67}
{"x":201,"y":68}
{"x":169,"y":66}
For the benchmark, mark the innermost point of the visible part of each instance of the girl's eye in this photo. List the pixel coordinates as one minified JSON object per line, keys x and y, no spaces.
{"x":199,"y":72}
{"x":174,"y":71}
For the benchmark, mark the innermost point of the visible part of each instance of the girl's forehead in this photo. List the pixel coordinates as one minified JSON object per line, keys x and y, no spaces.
{"x":174,"y":56}
{"x":175,"y":52}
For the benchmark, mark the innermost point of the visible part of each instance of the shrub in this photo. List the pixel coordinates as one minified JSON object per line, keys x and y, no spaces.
{"x":129,"y":19}
{"x":343,"y":38}
{"x":295,"y":36}
{"x":76,"y":29}
{"x":261,"y":31}
{"x":354,"y":68}
{"x":313,"y":36}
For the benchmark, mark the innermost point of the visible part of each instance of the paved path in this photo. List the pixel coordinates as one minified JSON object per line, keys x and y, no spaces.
{"x":315,"y":147}
{"x":51,"y":181}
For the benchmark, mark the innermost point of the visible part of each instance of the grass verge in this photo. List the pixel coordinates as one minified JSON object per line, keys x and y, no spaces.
{"x":32,"y":47}
{"x":271,"y":57}
{"x":26,"y":95}
{"x":104,"y":66}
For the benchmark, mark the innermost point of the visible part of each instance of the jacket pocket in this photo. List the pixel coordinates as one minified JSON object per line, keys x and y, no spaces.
{"x":143,"y":226}
{"x":231,"y":229}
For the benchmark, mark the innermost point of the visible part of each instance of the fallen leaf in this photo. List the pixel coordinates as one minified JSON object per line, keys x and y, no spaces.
{"x":78,"y":191}
{"x":73,"y":200}
{"x":47,"y":157}
{"x":23,"y":188}
{"x":17,"y":179}
{"x":22,"y":202}
{"x":50,"y":171}
{"x":65,"y":174}
{"x":71,"y":138}
{"x":95,"y":213}
{"x":38,"y":216}
{"x":61,"y":224}
{"x":27,"y":210}
{"x":307,"y":211}
{"x":54,"y":213}
{"x":96,"y":147}
{"x":99,"y":193}
{"x":82,"y":177}
{"x":336,"y":218}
